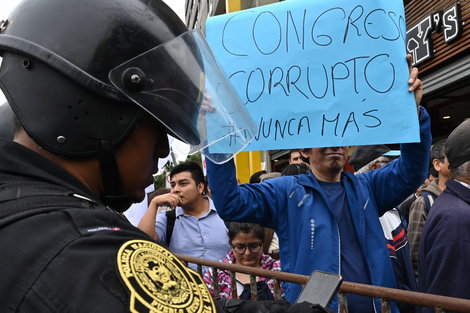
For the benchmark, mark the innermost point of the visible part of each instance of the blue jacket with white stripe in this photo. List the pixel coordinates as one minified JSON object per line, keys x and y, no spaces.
{"x":297,"y":209}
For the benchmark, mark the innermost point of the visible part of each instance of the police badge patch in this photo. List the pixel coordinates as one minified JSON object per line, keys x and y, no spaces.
{"x":159,"y":282}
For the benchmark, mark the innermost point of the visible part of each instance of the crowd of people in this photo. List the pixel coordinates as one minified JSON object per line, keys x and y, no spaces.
{"x":401,"y":234}
{"x":260,"y":202}
{"x":89,"y":111}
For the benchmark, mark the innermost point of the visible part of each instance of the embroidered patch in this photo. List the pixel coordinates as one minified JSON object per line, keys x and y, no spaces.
{"x":159,"y":282}
{"x":87,"y":231}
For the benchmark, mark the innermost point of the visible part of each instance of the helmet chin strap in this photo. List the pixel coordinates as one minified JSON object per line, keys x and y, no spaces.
{"x":112,"y":183}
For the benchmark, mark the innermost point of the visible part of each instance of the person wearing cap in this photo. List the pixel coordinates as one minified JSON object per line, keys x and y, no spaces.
{"x":444,"y":249}
{"x":374,"y":157}
{"x":420,"y":208}
{"x":371,"y":157}
{"x":328,"y":219}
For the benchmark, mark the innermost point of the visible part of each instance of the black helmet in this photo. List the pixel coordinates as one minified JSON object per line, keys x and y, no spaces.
{"x":57,"y":56}
{"x":7,"y":122}
{"x":79,"y":76}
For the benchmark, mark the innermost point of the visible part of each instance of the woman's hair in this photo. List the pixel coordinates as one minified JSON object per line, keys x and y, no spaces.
{"x":235,"y":228}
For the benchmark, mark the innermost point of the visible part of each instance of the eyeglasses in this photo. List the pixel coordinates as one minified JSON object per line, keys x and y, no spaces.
{"x":253,"y":247}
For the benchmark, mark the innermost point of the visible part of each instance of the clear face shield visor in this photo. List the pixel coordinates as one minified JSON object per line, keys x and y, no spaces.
{"x":181,"y":85}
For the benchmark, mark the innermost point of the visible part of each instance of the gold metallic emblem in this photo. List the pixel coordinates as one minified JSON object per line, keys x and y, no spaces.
{"x":159,"y":282}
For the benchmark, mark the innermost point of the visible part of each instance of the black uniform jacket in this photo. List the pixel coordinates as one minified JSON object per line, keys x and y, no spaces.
{"x":80,"y":258}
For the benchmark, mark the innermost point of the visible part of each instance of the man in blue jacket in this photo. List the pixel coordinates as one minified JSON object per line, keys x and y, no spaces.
{"x":374,"y":157}
{"x":328,"y":219}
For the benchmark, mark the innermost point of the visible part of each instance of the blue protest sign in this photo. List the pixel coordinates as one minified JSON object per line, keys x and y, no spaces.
{"x":319,"y":73}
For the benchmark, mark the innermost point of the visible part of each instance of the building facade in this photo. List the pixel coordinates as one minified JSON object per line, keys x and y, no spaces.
{"x":438,"y":37}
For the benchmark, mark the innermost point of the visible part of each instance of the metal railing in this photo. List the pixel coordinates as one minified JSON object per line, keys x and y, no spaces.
{"x":441,"y":304}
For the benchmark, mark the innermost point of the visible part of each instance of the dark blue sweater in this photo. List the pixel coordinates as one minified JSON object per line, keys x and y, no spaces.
{"x":444,"y":250}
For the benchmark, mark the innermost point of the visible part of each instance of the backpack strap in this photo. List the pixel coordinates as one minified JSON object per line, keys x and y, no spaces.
{"x":170,"y":224}
{"x":428,"y":200}
{"x":268,"y":239}
{"x":22,"y":200}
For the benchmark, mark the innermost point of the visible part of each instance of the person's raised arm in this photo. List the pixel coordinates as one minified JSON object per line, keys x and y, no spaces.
{"x":415,"y":83}
{"x":398,"y":179}
{"x":147,"y":223}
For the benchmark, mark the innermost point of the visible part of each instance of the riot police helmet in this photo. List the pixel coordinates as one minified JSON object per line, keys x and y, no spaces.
{"x":80,"y":75}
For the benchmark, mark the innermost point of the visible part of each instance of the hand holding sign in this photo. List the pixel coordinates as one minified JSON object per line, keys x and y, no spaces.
{"x":416,"y":84}
{"x":319,"y":73}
